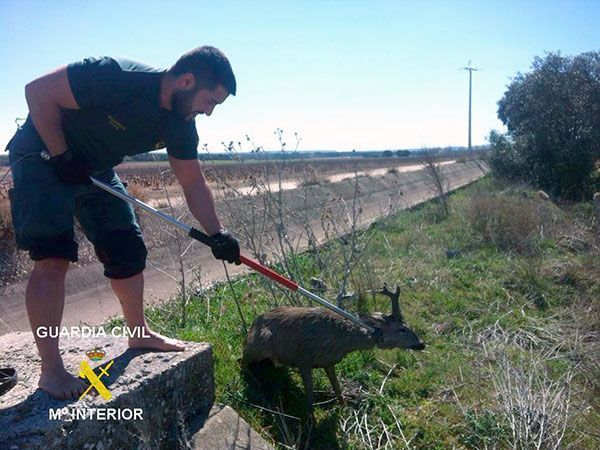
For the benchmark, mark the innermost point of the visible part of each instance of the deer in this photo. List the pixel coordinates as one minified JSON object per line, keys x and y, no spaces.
{"x":312,"y":337}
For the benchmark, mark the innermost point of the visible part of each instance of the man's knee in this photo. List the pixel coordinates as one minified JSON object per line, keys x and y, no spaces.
{"x":60,"y":247}
{"x":54,"y":268}
{"x":122,"y":252}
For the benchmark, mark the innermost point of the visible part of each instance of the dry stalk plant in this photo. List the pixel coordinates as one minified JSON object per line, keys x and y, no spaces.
{"x":438,"y":181}
{"x":367,"y":430}
{"x":533,"y":404}
{"x":277,"y":219}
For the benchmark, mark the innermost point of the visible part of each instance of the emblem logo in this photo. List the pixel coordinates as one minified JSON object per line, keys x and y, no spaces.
{"x":85,"y":371}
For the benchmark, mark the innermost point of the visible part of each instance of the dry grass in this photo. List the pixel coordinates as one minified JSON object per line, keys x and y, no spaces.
{"x":137,"y":191}
{"x":536,"y":407}
{"x":510,"y":223}
{"x":6,"y":231}
{"x":519,"y":220}
{"x":532,"y":390}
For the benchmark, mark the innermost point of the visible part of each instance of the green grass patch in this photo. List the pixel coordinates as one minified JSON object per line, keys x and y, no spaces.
{"x":482,"y":299}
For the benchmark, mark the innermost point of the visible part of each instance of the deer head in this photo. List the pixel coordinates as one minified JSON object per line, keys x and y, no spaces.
{"x":390,"y":330}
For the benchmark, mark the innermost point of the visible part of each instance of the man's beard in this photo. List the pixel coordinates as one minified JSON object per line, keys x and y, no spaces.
{"x":182,"y":102}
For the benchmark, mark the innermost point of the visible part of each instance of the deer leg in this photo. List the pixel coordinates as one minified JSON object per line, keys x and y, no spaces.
{"x":330,"y":371}
{"x":306,"y":374}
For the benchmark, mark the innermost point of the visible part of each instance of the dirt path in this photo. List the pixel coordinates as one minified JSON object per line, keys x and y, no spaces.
{"x":90,"y":300}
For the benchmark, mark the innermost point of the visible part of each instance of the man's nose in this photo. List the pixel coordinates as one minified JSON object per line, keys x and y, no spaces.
{"x":209,"y":111}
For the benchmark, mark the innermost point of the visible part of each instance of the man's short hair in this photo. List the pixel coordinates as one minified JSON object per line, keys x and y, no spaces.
{"x":209,"y":66}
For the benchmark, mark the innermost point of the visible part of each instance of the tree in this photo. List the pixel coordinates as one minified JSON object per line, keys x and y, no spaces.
{"x":553,"y":118}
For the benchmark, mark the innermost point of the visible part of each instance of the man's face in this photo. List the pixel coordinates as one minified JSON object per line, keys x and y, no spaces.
{"x":187,"y":104}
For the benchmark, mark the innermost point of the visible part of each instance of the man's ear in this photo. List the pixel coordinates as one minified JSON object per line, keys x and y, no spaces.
{"x":186,"y":82}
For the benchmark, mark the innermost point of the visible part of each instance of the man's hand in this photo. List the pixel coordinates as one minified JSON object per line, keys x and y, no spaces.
{"x":70,"y":168}
{"x":226,"y":247}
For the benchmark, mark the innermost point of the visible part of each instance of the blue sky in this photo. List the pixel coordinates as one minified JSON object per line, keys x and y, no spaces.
{"x":343,"y":74}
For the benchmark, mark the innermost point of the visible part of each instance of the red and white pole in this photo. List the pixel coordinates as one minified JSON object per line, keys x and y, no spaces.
{"x":253,"y":264}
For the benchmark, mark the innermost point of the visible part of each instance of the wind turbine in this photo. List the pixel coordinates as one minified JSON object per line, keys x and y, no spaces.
{"x":471,"y":70}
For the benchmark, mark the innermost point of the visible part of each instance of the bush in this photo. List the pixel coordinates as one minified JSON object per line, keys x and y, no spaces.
{"x":510,"y":223}
{"x":552,"y":115}
{"x":506,"y":157}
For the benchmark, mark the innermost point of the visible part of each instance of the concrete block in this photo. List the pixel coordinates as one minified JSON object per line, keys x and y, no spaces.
{"x":225,"y":430}
{"x":172,"y":389}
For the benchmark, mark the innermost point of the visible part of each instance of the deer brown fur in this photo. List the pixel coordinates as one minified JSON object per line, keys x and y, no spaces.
{"x":309,"y":338}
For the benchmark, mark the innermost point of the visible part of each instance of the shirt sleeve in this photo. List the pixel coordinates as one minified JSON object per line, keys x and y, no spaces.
{"x":95,"y":82}
{"x":184,"y":145}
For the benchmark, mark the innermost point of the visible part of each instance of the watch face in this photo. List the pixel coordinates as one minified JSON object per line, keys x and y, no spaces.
{"x":45,"y":154}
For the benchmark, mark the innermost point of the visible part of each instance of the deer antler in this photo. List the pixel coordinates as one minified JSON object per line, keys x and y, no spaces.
{"x":394,"y":296}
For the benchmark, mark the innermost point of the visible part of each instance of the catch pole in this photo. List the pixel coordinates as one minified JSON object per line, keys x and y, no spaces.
{"x":253,"y":264}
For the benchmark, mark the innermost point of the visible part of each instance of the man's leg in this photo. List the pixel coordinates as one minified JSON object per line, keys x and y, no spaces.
{"x":42,"y":211}
{"x":130,"y":292}
{"x":45,"y":299}
{"x":110,"y":224}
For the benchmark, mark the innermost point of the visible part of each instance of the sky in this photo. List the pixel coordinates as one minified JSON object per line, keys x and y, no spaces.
{"x":364,"y":75}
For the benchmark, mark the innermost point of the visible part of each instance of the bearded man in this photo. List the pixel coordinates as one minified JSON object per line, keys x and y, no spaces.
{"x":84,"y":118}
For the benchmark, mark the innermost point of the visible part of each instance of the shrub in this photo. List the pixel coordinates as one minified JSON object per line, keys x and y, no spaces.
{"x":505,"y":158}
{"x":510,"y":223}
{"x":551,"y":114}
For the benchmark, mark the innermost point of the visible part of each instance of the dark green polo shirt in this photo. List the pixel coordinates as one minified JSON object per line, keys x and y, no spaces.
{"x":119,"y":114}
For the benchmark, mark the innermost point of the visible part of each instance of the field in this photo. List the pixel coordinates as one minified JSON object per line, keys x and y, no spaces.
{"x":504,"y":291}
{"x":243,"y":173}
{"x":151,"y":181}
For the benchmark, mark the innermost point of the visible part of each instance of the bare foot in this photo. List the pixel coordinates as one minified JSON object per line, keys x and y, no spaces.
{"x":61,"y":384}
{"x":156,"y":341}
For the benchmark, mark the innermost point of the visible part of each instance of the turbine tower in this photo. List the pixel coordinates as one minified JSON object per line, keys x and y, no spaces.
{"x":470,"y":69}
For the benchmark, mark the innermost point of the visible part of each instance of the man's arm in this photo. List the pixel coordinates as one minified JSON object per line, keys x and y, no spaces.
{"x":197,"y":193}
{"x":45,"y":97}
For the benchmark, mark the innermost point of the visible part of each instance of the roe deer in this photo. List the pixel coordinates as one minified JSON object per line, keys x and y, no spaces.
{"x":309,"y":338}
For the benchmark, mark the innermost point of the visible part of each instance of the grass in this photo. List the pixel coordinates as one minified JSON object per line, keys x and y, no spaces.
{"x":6,"y":230}
{"x":491,"y":308}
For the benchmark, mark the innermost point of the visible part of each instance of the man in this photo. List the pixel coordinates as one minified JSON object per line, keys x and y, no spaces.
{"x":84,"y":118}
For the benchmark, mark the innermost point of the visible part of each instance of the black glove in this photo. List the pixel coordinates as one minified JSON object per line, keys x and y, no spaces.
{"x":226,"y":247}
{"x":71,"y":169}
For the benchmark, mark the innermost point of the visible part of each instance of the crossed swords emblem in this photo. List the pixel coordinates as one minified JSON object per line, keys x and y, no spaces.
{"x":85,"y":371}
